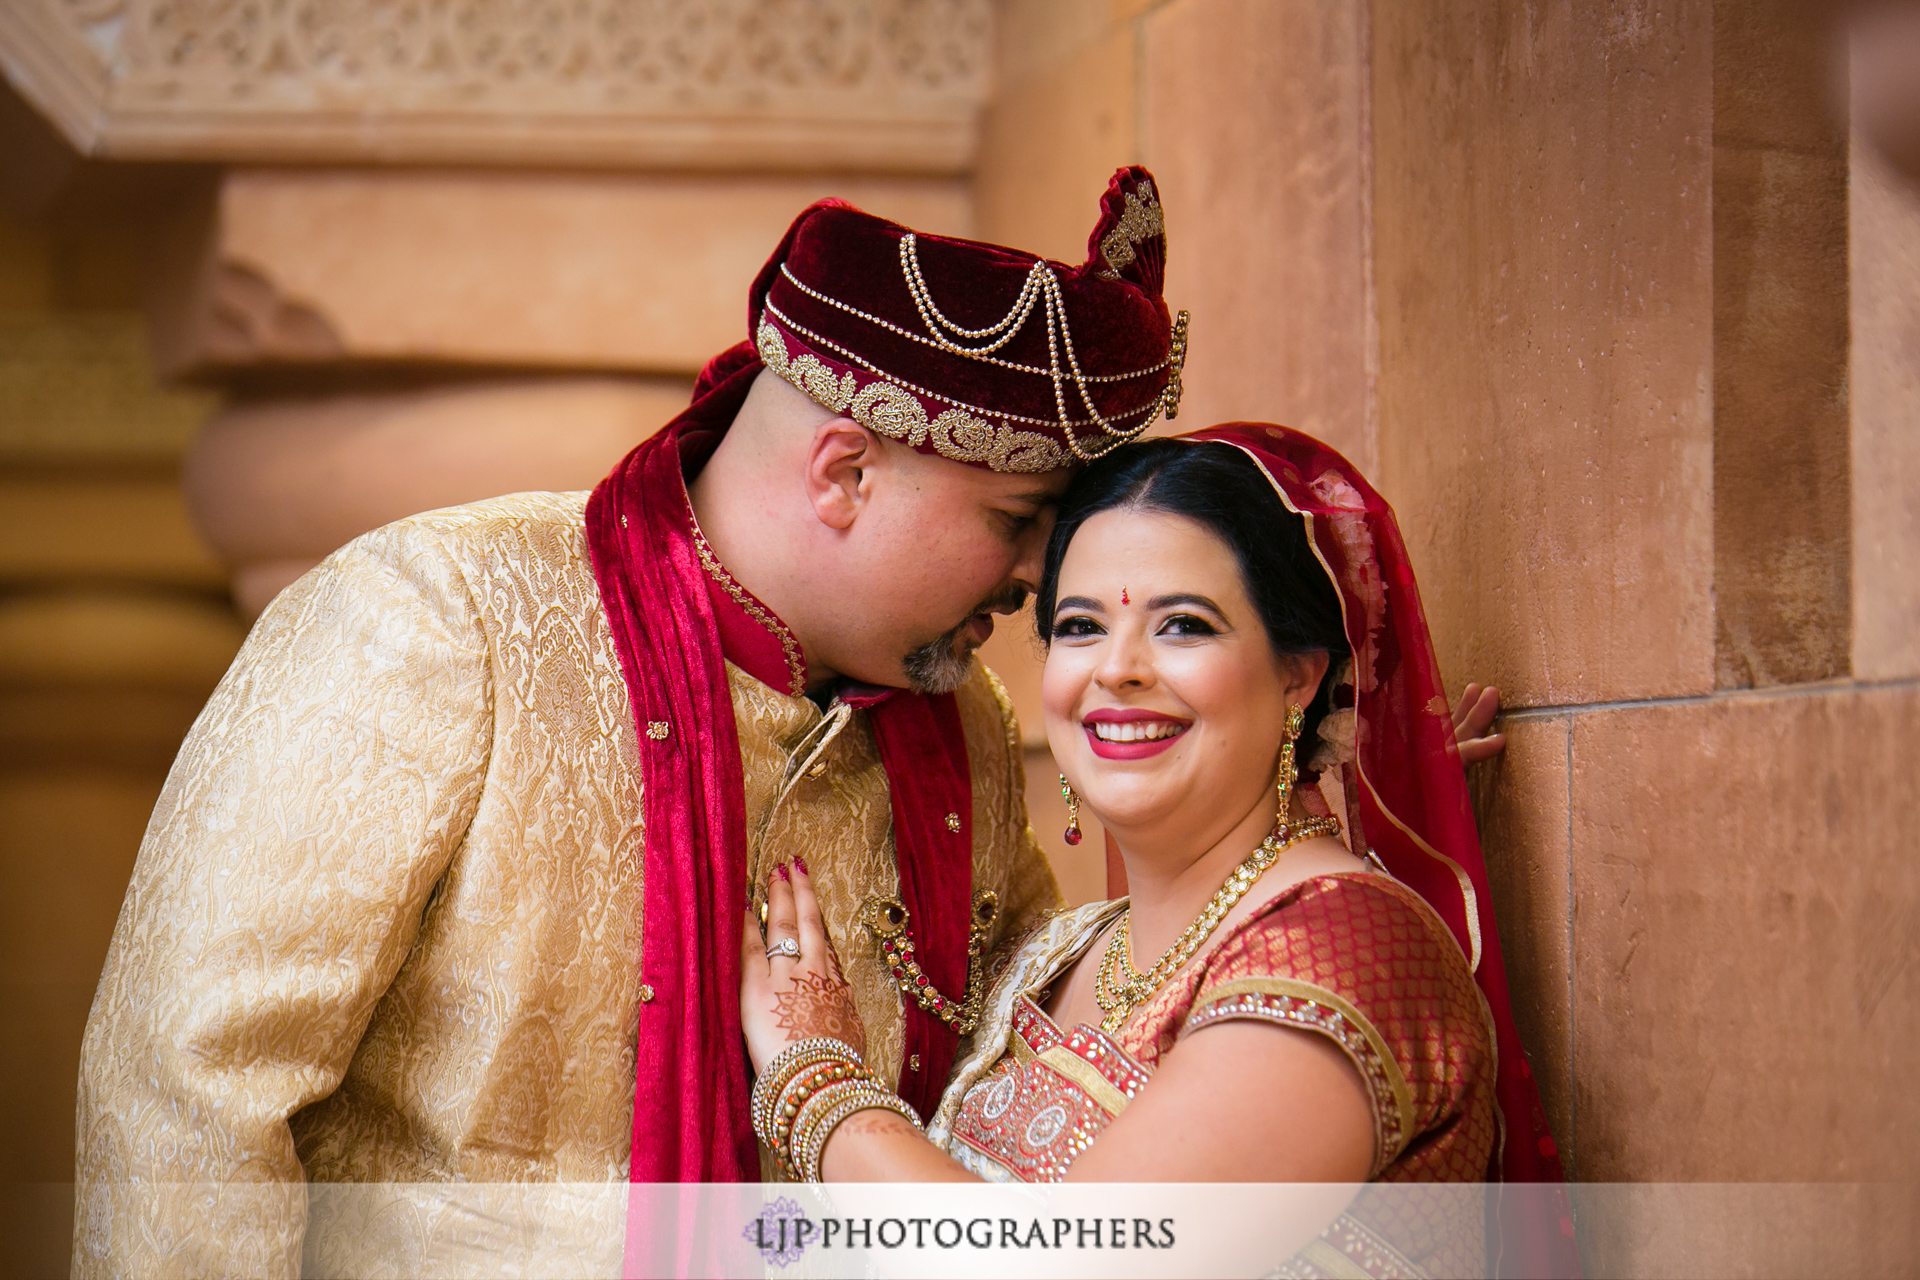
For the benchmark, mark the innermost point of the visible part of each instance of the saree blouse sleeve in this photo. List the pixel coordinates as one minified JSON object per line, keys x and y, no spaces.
{"x":1362,"y":960}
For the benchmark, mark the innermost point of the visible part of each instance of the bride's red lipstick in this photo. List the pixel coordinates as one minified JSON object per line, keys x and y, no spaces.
{"x":1140,"y":748}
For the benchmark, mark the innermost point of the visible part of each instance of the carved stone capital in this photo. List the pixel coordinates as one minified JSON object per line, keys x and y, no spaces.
{"x":872,"y":85}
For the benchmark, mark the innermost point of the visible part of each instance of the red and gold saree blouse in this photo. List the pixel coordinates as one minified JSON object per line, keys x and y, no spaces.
{"x":1355,"y":957}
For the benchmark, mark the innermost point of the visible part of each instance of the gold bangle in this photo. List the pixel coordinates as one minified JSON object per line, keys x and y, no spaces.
{"x":788,"y":1064}
{"x":808,"y":1113}
{"x":792,"y":1059}
{"x":815,"y":1073}
{"x":806,"y":1084}
{"x":811,"y":1150}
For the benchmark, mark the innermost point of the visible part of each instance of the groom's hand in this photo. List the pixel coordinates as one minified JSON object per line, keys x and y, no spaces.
{"x":786,"y":998}
{"x":1473,"y":715}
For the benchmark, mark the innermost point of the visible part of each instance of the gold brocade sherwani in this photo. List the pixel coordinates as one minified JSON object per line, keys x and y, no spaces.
{"x":385,"y":924}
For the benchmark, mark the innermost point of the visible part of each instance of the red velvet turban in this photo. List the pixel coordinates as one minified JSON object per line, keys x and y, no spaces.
{"x":979,"y":353}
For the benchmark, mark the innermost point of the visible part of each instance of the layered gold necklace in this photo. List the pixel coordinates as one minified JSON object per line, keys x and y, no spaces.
{"x":1119,"y":987}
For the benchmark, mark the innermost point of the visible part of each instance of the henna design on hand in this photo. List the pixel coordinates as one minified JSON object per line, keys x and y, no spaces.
{"x":875,"y":1122}
{"x":816,"y":1005}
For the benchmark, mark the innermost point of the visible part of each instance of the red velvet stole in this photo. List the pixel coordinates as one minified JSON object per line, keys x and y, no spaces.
{"x":690,"y":1070}
{"x":925,"y":754}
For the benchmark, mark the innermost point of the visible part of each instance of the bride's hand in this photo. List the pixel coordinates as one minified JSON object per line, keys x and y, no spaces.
{"x":784,"y":999}
{"x":1473,"y":715}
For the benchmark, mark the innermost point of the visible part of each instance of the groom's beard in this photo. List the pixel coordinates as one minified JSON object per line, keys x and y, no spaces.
{"x":943,"y":665}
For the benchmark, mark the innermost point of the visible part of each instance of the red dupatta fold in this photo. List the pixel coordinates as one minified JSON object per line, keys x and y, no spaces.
{"x":929,"y":780}
{"x":690,"y":1121}
{"x":1405,"y":792}
{"x":690,"y":1101}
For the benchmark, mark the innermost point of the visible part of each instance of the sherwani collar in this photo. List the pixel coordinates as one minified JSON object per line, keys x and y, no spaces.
{"x":752,"y":636}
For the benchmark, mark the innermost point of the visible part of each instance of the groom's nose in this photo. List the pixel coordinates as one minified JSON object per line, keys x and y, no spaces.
{"x":1031,"y":561}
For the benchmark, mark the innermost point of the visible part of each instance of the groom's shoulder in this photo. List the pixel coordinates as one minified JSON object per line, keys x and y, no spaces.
{"x":539,"y":536}
{"x":519,"y":551}
{"x":515,"y":523}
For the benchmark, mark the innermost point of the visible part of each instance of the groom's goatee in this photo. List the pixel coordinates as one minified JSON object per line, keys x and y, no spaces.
{"x":942,"y":665}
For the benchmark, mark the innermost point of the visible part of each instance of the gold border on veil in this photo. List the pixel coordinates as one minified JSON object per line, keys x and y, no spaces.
{"x":1470,"y":898}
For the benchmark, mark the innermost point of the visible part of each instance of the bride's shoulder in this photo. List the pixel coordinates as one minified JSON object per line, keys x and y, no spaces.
{"x":1346,"y":922}
{"x":1360,"y":959}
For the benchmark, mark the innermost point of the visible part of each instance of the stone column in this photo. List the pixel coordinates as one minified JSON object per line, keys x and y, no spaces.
{"x":114,"y":626}
{"x":444,"y":255}
{"x":395,"y":341}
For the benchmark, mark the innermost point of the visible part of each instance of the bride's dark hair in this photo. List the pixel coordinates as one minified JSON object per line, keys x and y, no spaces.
{"x":1216,"y":485}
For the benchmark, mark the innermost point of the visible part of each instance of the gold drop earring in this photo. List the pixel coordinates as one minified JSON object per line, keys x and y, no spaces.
{"x":1288,"y":774}
{"x":1073,"y":810}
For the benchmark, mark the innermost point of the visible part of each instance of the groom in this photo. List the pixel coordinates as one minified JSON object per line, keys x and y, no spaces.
{"x":446,"y":883}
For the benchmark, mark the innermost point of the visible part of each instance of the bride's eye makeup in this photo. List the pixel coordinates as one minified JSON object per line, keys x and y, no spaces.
{"x":1187,"y":624}
{"x":1069,"y":625}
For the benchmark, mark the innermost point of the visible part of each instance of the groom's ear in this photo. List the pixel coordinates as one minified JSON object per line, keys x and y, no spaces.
{"x":841,"y":461}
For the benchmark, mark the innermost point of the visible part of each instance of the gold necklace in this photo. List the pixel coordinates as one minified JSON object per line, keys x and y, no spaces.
{"x":1119,"y":988}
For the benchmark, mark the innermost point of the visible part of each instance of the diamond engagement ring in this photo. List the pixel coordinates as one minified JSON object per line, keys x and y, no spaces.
{"x":789,"y":947}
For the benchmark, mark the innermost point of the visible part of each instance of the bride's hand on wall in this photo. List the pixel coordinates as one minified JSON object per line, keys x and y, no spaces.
{"x":783,"y":998}
{"x":1473,"y":715}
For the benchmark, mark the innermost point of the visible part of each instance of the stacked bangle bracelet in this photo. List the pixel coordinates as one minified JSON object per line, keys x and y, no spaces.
{"x":828,"y":1110}
{"x":810,"y":1087}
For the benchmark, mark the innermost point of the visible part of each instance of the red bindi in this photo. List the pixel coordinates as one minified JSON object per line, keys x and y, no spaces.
{"x":1123,"y":596}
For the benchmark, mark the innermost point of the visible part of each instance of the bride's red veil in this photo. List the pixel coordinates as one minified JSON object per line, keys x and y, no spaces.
{"x":1403,"y":793}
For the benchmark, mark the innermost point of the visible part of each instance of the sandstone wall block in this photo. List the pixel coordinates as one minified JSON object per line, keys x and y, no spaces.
{"x":1884,"y":395}
{"x":1254,"y":118}
{"x":1520,"y":801}
{"x":1543,"y":238}
{"x":1745,"y":924}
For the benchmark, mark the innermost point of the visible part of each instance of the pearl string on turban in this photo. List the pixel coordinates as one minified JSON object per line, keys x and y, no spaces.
{"x":971,"y":351}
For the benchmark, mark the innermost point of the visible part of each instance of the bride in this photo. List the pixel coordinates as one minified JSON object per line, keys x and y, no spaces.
{"x":1239,"y":684}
